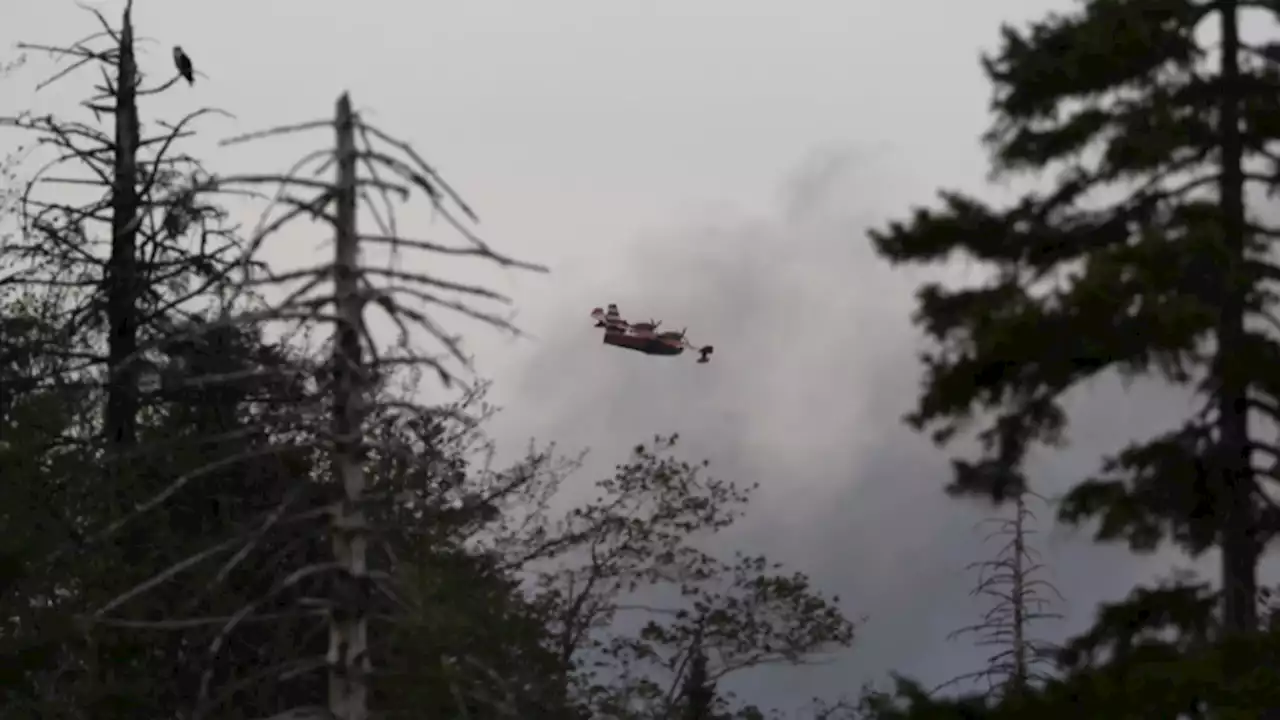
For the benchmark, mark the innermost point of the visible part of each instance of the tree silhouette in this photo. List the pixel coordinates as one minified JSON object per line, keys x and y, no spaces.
{"x":631,"y":557}
{"x":1012,"y":581}
{"x":372,"y":171}
{"x":1141,"y":260}
{"x":110,"y":258}
{"x":148,"y":272}
{"x":166,"y":318}
{"x":698,"y":696}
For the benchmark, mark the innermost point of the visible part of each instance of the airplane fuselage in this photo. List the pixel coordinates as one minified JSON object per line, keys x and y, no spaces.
{"x":648,"y":345}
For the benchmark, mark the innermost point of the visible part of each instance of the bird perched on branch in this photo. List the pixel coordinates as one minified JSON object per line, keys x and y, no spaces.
{"x":184,"y":65}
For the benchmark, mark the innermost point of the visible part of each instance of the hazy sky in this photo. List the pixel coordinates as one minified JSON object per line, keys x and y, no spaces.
{"x":714,"y":163}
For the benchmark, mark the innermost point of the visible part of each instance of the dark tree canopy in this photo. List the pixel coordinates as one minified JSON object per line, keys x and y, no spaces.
{"x":1139,"y":260}
{"x":1143,"y":251}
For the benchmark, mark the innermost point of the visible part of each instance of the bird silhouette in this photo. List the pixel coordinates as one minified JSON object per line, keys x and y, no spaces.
{"x":184,"y":65}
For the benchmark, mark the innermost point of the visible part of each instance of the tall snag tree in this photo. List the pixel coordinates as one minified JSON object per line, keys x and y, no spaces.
{"x":162,"y":252}
{"x":1140,"y":260}
{"x":340,"y":589}
{"x":118,"y":255}
{"x":1012,"y":582}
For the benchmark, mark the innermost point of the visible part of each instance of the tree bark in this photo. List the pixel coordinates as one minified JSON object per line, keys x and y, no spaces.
{"x":1235,"y":479}
{"x":348,"y":637}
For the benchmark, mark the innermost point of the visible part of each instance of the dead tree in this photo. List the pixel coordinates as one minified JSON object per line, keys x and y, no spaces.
{"x":375,"y":171}
{"x":1012,"y":581}
{"x":111,"y":239}
{"x":169,"y":253}
{"x":131,"y":290}
{"x":114,"y":247}
{"x":349,"y":626}
{"x":122,"y":265}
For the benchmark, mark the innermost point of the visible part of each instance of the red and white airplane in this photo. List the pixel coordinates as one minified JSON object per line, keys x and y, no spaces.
{"x":644,"y":337}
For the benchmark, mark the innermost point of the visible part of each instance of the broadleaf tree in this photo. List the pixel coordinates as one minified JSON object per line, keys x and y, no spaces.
{"x":632,"y":596}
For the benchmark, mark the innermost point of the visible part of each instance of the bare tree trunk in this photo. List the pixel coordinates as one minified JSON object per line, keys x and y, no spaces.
{"x":121,"y":415}
{"x":1234,"y":481}
{"x":1020,"y":681}
{"x":1239,"y":583}
{"x":348,"y":635}
{"x":121,"y":274}
{"x":1012,"y":580}
{"x":344,"y":584}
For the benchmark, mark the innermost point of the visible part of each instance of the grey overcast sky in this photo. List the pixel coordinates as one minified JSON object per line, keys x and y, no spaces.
{"x":711,"y":162}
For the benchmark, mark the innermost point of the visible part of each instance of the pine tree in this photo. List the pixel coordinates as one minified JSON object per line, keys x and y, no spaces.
{"x":1140,"y":260}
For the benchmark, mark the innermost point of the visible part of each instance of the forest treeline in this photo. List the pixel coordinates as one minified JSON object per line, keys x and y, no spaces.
{"x":223,"y":495}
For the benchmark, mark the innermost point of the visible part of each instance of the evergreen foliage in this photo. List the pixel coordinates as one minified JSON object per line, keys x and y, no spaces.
{"x":1142,"y":258}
